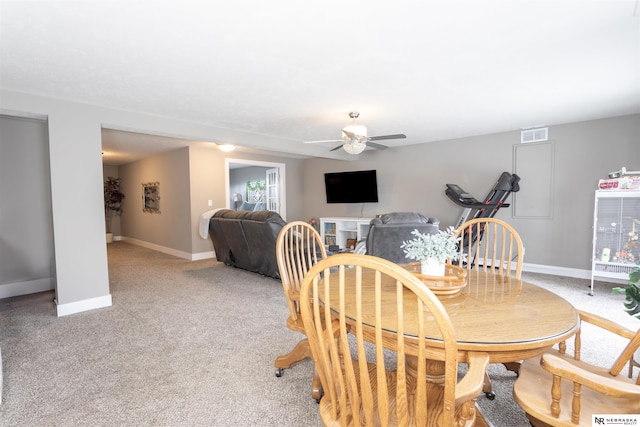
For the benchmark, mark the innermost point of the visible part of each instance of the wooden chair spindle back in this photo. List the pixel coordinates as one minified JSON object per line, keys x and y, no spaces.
{"x":491,"y":244}
{"x":365,"y":383}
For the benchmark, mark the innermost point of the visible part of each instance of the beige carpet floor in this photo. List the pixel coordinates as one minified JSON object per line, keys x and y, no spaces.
{"x":189,"y":344}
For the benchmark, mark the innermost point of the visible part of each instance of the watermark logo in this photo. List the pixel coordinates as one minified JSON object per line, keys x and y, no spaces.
{"x":598,"y":420}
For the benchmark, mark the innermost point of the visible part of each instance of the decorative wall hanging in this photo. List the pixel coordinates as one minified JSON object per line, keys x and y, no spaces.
{"x":151,"y":197}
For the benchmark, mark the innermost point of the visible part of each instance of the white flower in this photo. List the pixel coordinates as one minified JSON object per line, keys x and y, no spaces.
{"x":441,"y":246}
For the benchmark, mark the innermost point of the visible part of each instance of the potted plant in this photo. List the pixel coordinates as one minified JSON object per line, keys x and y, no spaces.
{"x":632,"y":300}
{"x":632,"y":292}
{"x":113,"y":198}
{"x":432,"y":250}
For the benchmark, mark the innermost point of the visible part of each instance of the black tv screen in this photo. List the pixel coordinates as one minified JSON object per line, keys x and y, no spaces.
{"x":351,"y":187}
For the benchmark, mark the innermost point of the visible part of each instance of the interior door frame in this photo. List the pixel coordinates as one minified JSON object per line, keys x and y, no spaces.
{"x":281,"y":182}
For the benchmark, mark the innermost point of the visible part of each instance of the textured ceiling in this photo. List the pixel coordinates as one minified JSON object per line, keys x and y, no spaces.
{"x":290,"y":71}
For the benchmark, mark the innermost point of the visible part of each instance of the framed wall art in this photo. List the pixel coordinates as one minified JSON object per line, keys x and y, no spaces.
{"x":151,"y":197}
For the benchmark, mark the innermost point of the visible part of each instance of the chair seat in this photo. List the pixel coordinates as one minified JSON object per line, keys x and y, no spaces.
{"x":532,"y":392}
{"x":390,"y":377}
{"x":325,"y":408}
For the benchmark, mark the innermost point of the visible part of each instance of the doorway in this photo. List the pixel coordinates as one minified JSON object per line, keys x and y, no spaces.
{"x":275,"y":181}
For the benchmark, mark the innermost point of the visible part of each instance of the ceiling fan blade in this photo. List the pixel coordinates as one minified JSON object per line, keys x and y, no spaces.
{"x":376,"y":146}
{"x":337,"y":148}
{"x":323,"y":140}
{"x":382,"y":137}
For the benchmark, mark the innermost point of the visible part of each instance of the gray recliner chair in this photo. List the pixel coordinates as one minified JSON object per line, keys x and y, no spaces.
{"x":388,"y":231}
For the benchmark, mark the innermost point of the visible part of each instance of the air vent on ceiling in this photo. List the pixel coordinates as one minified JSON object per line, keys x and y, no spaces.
{"x":534,"y":135}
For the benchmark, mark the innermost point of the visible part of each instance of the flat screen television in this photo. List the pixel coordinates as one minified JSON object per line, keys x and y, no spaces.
{"x":351,"y":187}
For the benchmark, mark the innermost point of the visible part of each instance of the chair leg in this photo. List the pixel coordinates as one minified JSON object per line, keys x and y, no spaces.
{"x":486,"y":387}
{"x":316,"y":387}
{"x":300,"y":352}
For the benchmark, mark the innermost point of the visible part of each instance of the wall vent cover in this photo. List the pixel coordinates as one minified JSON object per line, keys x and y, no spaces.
{"x":534,"y":135}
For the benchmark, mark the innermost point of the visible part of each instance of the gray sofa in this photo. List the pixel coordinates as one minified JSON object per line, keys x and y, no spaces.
{"x":388,"y":231}
{"x":247,"y":240}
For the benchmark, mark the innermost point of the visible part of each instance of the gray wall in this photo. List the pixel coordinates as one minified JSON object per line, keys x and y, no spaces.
{"x":76,"y":199}
{"x":189,"y":178}
{"x":413,"y":178}
{"x":26,"y":230}
{"x":208,"y":182}
{"x":76,"y":171}
{"x":172,"y":226}
{"x":410,"y":178}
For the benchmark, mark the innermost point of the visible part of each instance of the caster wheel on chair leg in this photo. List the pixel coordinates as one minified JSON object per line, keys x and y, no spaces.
{"x":279,"y":372}
{"x":490,"y":395}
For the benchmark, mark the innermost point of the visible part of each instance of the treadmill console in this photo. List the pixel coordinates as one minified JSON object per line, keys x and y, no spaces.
{"x":460,"y":196}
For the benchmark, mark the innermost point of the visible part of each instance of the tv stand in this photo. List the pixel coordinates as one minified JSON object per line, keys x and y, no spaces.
{"x":336,"y":231}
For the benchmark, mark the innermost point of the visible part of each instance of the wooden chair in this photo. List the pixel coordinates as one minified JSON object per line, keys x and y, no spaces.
{"x":298,"y":248}
{"x":366,"y":375}
{"x":559,"y":389}
{"x":493,"y":245}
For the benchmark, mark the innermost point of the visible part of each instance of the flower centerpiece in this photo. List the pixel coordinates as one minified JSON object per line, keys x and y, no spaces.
{"x":432,"y":250}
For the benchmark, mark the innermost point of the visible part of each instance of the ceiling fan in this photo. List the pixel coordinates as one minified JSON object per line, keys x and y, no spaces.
{"x":355,"y":140}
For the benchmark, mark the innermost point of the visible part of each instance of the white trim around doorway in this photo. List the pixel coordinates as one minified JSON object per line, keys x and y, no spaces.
{"x":282,"y":181}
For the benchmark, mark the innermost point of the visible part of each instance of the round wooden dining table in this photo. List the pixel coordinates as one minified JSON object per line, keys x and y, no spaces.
{"x":507,"y":318}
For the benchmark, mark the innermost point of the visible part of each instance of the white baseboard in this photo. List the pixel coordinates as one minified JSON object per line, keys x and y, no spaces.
{"x":568,"y":272}
{"x":83,"y":305}
{"x":169,"y":251}
{"x":44,"y":285}
{"x":203,"y":255}
{"x":29,"y":287}
{"x":163,"y":249}
{"x":557,"y":271}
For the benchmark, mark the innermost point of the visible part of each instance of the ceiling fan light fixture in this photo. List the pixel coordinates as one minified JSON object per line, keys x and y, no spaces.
{"x":354,"y":146}
{"x":355,"y":138}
